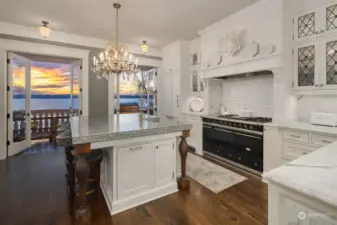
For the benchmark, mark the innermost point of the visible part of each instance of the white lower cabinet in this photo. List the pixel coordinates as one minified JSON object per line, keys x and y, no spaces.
{"x":164,"y":154}
{"x":195,"y":139}
{"x":139,"y":171}
{"x":134,"y":172}
{"x":282,"y":145}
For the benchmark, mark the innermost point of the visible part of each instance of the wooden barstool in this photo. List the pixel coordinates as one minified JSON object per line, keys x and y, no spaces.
{"x":94,"y":159}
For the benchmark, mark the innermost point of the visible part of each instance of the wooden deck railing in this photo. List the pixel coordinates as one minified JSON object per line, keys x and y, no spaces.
{"x":43,"y":123}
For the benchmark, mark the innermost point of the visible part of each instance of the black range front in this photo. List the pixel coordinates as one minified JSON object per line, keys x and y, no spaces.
{"x":237,"y":144}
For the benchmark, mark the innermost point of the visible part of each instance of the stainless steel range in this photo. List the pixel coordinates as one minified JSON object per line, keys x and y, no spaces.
{"x":235,"y":140}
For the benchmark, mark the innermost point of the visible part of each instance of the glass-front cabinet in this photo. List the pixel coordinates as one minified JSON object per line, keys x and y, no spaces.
{"x":315,"y":65}
{"x":329,"y":71}
{"x":306,"y":66}
{"x":315,"y":49}
{"x":316,"y":23}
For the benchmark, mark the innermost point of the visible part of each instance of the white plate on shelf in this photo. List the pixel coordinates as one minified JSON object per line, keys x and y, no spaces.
{"x":196,"y":104}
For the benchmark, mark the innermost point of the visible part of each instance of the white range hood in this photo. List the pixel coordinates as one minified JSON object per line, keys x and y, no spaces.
{"x":245,"y":66}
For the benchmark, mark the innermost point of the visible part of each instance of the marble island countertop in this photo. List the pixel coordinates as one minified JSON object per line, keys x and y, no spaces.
{"x":313,"y":175}
{"x":121,"y":126}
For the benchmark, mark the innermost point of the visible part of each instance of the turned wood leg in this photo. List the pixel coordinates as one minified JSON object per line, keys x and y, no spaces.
{"x":82,"y":168}
{"x":71,"y":185}
{"x":183,"y":181}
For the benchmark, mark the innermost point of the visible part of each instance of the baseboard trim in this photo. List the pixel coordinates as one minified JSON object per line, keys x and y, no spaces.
{"x":124,"y":204}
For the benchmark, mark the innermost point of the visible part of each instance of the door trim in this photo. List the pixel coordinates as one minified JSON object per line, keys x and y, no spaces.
{"x":41,"y":49}
{"x":15,"y":148}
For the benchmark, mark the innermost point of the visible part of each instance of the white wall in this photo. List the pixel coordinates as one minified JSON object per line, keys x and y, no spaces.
{"x":254,"y":93}
{"x":260,"y":22}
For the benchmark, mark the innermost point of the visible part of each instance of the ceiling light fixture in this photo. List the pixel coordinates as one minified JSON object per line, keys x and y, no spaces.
{"x":144,"y":47}
{"x":115,"y":59}
{"x":44,"y":29}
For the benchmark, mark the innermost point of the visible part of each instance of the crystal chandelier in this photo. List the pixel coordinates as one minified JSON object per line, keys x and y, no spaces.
{"x":115,"y":59}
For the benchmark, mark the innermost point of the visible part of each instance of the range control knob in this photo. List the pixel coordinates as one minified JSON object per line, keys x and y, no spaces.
{"x":245,"y":126}
{"x":251,"y":127}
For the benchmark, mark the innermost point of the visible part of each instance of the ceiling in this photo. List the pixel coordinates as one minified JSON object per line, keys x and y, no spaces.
{"x":160,"y":22}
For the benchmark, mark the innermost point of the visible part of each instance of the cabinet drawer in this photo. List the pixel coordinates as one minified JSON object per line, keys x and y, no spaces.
{"x":135,"y":147}
{"x":322,"y":140}
{"x":298,"y":136}
{"x":292,"y":151}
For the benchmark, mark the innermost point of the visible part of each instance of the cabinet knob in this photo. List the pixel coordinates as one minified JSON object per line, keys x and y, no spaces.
{"x":322,"y":30}
{"x":317,"y":32}
{"x":316,"y":85}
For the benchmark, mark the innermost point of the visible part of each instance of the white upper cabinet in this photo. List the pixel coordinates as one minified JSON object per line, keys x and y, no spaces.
{"x":329,"y":62}
{"x":316,"y":23}
{"x":315,"y":50}
{"x":171,"y":59}
{"x":306,"y":66}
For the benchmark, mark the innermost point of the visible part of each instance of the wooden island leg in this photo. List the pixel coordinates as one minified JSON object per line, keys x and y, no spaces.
{"x":82,"y":169}
{"x":183,"y":181}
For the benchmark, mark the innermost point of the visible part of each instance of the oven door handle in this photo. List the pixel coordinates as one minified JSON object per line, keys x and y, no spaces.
{"x":227,"y":131}
{"x":248,"y":135}
{"x":204,"y":126}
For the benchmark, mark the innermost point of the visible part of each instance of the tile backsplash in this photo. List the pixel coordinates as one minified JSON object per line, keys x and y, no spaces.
{"x":253,"y":93}
{"x":309,"y":104}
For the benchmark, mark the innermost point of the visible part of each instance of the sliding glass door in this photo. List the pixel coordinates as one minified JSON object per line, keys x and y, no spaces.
{"x":18,"y":104}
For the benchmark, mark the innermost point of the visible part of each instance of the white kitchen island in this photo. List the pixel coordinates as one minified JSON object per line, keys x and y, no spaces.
{"x":139,"y":162}
{"x":304,"y":191}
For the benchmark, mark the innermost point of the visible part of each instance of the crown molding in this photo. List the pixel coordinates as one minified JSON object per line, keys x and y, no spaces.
{"x":67,"y":38}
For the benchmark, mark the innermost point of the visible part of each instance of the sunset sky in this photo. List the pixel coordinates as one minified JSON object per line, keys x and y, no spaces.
{"x":46,"y":78}
{"x":54,"y":78}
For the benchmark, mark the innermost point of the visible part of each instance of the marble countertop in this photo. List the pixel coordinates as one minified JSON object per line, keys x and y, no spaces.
{"x":293,"y":124}
{"x":122,"y":126}
{"x":313,"y":175}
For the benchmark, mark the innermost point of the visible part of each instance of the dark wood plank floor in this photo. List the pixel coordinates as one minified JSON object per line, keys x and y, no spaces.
{"x":33,"y":192}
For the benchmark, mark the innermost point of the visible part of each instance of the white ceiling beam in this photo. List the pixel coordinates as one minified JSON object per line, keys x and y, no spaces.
{"x":66,"y":38}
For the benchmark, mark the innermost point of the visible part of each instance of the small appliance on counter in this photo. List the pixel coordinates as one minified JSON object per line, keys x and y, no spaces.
{"x":246,"y":113}
{"x":324,"y":119}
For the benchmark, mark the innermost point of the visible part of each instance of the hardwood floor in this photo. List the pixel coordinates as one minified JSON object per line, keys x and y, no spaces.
{"x":33,"y":192}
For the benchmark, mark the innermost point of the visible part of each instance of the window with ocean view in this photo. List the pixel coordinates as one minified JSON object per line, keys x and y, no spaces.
{"x":50,"y":86}
{"x":129,"y":92}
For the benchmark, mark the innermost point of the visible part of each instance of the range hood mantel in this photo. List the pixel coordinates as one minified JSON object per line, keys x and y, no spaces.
{"x":255,"y":65}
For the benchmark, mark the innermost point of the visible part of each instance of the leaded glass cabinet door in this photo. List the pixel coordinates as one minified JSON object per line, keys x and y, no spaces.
{"x":330,"y":18}
{"x":306,"y":66}
{"x":329,"y":71}
{"x":305,"y":25}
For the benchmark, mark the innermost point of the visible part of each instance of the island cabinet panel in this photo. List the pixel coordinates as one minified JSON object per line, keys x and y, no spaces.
{"x":134,"y":170}
{"x":164,"y":155}
{"x":296,"y":213}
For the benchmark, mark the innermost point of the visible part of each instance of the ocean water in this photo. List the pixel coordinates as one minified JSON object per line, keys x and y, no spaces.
{"x":54,"y":103}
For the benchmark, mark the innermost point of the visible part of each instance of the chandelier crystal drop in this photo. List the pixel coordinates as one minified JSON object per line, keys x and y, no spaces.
{"x":115,"y":59}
